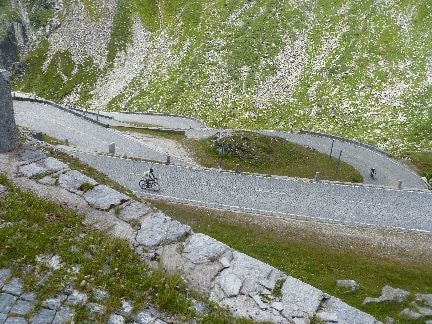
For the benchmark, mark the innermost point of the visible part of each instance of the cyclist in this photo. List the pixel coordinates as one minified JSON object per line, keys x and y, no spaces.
{"x":148,"y":177}
{"x":373,"y":173}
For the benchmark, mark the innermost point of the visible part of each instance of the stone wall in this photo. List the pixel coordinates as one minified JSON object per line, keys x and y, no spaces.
{"x":8,"y":135}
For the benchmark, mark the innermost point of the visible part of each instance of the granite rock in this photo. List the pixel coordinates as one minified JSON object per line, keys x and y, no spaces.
{"x":31,"y":170}
{"x":43,"y":316}
{"x":104,"y":198}
{"x":327,"y":317}
{"x":388,"y":294}
{"x":426,"y":298}
{"x":5,"y":274}
{"x":54,"y":165}
{"x":158,"y":229}
{"x":351,"y":284}
{"x":77,"y":298}
{"x":73,"y":180}
{"x":133,"y":211}
{"x":6,"y":302}
{"x":300,"y":299}
{"x":63,"y":315}
{"x":345,"y":313}
{"x":14,"y":287}
{"x":116,"y":319}
{"x":22,"y":307}
{"x":408,"y":313}
{"x":16,"y":320}
{"x":29,"y":154}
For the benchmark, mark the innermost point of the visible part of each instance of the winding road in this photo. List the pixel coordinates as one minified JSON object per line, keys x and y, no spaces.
{"x":83,"y":134}
{"x":378,"y":206}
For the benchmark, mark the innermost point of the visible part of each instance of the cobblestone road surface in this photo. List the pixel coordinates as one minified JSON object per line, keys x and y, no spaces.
{"x":377,"y":206}
{"x":389,"y":171}
{"x":88,"y":136}
{"x":366,"y":205}
{"x":83,"y":134}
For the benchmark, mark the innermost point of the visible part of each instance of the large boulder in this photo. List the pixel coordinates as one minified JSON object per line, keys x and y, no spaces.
{"x":8,"y":135}
{"x":104,"y":198}
{"x":158,"y":229}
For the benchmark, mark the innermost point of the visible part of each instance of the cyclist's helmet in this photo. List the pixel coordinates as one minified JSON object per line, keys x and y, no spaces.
{"x":151,"y":170}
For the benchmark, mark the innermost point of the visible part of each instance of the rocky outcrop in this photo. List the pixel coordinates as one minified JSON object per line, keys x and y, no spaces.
{"x":12,"y":45}
{"x":8,"y":135}
{"x":388,"y":294}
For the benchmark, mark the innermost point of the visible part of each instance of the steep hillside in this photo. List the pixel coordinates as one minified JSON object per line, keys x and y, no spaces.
{"x":357,"y":68}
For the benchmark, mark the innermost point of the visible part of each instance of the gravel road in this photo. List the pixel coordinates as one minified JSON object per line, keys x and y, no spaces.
{"x":329,"y":202}
{"x":83,"y":134}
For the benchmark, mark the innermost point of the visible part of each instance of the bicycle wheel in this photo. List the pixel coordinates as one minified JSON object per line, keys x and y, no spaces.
{"x":156,"y":186}
{"x":142,"y":184}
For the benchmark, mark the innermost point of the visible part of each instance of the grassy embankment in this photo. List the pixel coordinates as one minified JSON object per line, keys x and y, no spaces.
{"x":43,"y":227}
{"x":420,"y":163}
{"x":305,"y":255}
{"x":270,"y":155}
{"x":261,"y":154}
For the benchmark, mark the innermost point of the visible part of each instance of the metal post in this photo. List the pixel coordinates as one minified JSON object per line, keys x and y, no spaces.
{"x":168,"y":160}
{"x":112,"y":148}
{"x":331,"y":150}
{"x":400,"y":185}
{"x":97,"y":116}
{"x":317,"y":177}
{"x":67,"y":142}
{"x":237,"y":168}
{"x":338,"y":162}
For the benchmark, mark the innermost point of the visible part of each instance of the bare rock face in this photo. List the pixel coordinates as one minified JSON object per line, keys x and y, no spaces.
{"x":8,"y":135}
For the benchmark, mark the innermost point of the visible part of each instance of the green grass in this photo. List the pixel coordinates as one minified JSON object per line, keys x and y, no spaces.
{"x":270,"y":155}
{"x":43,"y":227}
{"x":421,"y":163}
{"x":50,"y":84}
{"x":52,"y":140}
{"x":138,"y":124}
{"x":86,"y":186}
{"x":41,"y":18}
{"x":304,"y":255}
{"x":172,"y":135}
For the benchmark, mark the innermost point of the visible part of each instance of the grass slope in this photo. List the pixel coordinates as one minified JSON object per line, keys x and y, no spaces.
{"x":7,"y":15}
{"x":306,"y":256}
{"x":43,"y":227}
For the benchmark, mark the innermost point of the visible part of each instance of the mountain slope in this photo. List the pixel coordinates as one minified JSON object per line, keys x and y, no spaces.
{"x":361,"y":69}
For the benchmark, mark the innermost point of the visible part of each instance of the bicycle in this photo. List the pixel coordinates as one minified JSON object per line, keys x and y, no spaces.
{"x":149,"y":185}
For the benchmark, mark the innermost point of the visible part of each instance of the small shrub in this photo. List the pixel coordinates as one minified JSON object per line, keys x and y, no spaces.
{"x":86,"y":186}
{"x":277,"y":291}
{"x":135,"y":223}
